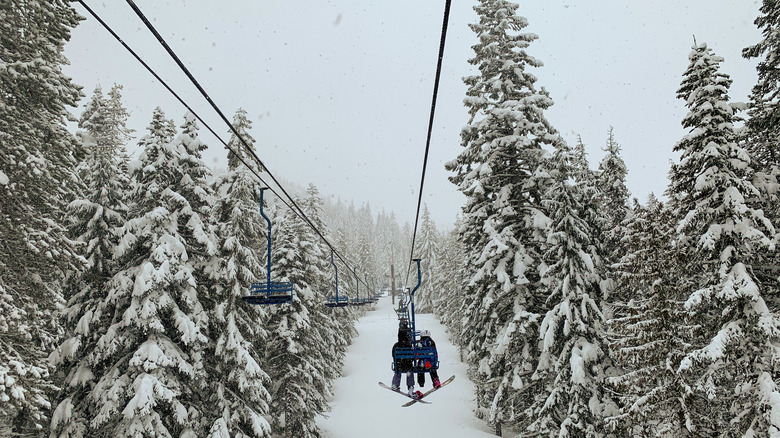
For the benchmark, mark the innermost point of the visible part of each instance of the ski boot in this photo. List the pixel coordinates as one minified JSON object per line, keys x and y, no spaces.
{"x":436,"y":383}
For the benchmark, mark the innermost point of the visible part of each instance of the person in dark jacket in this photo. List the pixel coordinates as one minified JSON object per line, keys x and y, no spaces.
{"x":426,"y":341}
{"x":404,"y":365}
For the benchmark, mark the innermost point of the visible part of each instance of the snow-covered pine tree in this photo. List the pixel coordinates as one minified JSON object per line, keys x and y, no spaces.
{"x":120,"y":134}
{"x":568,"y":383}
{"x":503,"y":224}
{"x":611,"y":184}
{"x":593,"y":213}
{"x":650,"y":334}
{"x":448,"y":280}
{"x":762,"y":137}
{"x":95,"y":221}
{"x":294,"y":357}
{"x":763,"y":113}
{"x":37,"y":181}
{"x":386,"y":248}
{"x":365,"y":232}
{"x":398,"y":253}
{"x":198,"y":194}
{"x":242,"y":125}
{"x":240,"y":398}
{"x":104,"y":121}
{"x":349,"y":242}
{"x":336,"y":326}
{"x":731,"y":372}
{"x":161,"y":131}
{"x":427,"y":250}
{"x":94,"y":120}
{"x":152,"y":381}
{"x":612,"y":211}
{"x":344,"y":243}
{"x":581,"y":167}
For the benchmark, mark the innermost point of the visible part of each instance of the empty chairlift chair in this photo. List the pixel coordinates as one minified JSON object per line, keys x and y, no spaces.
{"x":269,"y":292}
{"x":372,"y":297}
{"x":336,"y":301}
{"x":402,"y":311}
{"x":356,"y":301}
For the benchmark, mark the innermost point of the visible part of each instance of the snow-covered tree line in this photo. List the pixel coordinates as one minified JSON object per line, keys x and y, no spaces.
{"x":121,"y":281}
{"x":378,"y":241}
{"x":581,"y":313}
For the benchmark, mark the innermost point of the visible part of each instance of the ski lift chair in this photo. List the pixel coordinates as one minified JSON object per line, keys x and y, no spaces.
{"x":336,"y":301}
{"x":270,"y":292}
{"x":422,"y":355}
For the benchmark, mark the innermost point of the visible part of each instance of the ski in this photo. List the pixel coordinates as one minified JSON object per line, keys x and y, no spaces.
{"x":402,"y":393}
{"x":427,"y":392}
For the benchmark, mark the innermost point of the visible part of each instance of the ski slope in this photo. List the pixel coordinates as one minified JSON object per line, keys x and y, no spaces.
{"x":360,"y":408}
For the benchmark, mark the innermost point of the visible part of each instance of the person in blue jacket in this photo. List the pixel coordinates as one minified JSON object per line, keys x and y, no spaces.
{"x":426,"y":341}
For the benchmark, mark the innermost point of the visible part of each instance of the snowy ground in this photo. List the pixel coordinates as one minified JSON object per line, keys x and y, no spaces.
{"x":361,"y":408}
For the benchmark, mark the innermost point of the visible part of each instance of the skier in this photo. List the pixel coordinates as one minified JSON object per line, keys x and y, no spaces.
{"x":404,"y":365}
{"x":426,"y":341}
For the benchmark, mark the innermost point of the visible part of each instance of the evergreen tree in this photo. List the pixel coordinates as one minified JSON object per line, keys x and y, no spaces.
{"x":364,"y":236}
{"x":384,"y":248}
{"x":730,"y":371}
{"x":120,"y":134}
{"x":503,"y":223}
{"x":613,"y":210}
{"x":568,"y":382}
{"x":593,"y":214}
{"x":104,"y":121}
{"x":94,"y":120}
{"x":238,"y":383}
{"x":581,"y":171}
{"x":335,"y":326}
{"x":242,"y":125}
{"x":96,"y":220}
{"x":763,"y":113}
{"x":448,"y":280}
{"x":37,"y":181}
{"x":611,"y":184}
{"x":294,"y":354}
{"x":651,"y":334}
{"x":428,"y":251}
{"x":762,"y":137}
{"x":151,"y":380}
{"x":398,"y":252}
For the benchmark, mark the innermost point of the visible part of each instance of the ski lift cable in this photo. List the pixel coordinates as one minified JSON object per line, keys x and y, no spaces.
{"x":176,"y":95}
{"x":221,"y":114}
{"x":208,"y":127}
{"x":430,"y":129}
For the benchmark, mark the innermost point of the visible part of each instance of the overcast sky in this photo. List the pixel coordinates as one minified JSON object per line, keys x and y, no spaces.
{"x":339,"y":91}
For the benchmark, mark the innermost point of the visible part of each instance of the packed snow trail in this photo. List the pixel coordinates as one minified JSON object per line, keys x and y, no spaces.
{"x":361,"y":408}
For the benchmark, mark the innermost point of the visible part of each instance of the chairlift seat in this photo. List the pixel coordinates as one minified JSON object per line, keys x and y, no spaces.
{"x":276,"y":292}
{"x":337,"y":302}
{"x":357,"y":302}
{"x":423,"y":359}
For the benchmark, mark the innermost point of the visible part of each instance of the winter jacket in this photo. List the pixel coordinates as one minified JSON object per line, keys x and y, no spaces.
{"x":427,"y":342}
{"x":402,"y":365}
